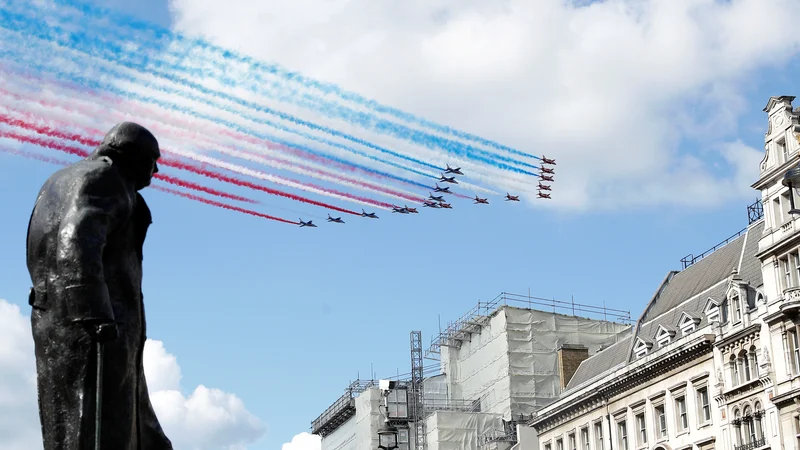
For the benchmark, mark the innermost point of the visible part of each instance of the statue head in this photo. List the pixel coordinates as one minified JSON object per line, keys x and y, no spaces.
{"x":134,"y":150}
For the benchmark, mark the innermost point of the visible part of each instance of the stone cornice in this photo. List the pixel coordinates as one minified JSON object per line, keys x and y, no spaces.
{"x":749,"y":332}
{"x":786,"y":397}
{"x":774,"y":174}
{"x":779,"y":246}
{"x":606,"y":388}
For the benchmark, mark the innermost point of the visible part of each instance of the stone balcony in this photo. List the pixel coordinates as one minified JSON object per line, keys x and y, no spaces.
{"x":791,"y":301}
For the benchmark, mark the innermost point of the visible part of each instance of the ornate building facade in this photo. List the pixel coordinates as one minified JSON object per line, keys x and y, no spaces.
{"x":714,"y":360}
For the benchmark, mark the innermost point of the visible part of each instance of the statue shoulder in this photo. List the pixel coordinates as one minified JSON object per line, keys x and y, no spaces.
{"x":99,"y":181}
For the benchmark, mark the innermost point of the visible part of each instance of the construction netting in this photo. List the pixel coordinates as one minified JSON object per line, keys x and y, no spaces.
{"x":511,"y":364}
{"x":361,"y":431}
{"x":453,"y":430}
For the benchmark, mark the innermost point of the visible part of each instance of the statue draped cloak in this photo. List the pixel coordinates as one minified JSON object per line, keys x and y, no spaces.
{"x":84,"y":255}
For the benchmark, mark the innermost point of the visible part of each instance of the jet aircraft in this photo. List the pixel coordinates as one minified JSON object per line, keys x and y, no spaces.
{"x":446,"y":205}
{"x":397,"y":209}
{"x":457,"y":170}
{"x":370,"y":215}
{"x":337,"y":219}
{"x":435,"y":198}
{"x":546,"y":160}
{"x":543,"y":195}
{"x":547,"y":170}
{"x":445,"y":179}
{"x":481,"y":200}
{"x":513,"y":198}
{"x":441,"y":189}
{"x":411,"y":210}
{"x":544,"y":187}
{"x":546,"y":178}
{"x":430,"y":204}
{"x":310,"y":223}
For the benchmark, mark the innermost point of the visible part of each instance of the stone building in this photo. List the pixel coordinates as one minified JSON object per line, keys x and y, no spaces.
{"x":714,"y":359}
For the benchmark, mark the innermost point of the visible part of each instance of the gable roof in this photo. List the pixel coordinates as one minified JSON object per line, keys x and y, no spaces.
{"x":686,"y":292}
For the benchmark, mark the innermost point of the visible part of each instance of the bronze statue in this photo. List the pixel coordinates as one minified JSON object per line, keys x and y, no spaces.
{"x":84,"y":254}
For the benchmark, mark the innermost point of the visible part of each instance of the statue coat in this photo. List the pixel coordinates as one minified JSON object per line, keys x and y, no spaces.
{"x":84,"y":255}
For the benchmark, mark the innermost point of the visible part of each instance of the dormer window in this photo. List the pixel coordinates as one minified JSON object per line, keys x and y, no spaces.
{"x":688,"y":323}
{"x":712,"y":311}
{"x":664,"y":335}
{"x":642,"y":347}
{"x":783,"y":150}
{"x":737,"y":306}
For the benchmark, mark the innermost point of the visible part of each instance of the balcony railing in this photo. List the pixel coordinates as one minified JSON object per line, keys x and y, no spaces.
{"x":758,"y":443}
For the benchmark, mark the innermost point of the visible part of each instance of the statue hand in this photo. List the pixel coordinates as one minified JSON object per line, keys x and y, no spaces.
{"x":104,"y":332}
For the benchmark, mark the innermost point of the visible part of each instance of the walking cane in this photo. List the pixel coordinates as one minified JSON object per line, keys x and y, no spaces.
{"x":98,"y":414}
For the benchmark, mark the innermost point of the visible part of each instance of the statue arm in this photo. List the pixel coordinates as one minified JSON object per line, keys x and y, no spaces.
{"x":93,"y":213}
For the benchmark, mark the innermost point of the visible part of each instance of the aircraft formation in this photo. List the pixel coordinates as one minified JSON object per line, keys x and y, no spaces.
{"x":439,"y":202}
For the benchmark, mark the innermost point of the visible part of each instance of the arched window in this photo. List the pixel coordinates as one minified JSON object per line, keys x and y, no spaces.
{"x":723,"y":311}
{"x":753,"y":361}
{"x":750,"y":430}
{"x":734,"y":371}
{"x":758,"y":413}
{"x":737,"y":427}
{"x":744,"y":361}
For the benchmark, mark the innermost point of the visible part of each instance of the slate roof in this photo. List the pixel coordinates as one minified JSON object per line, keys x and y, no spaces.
{"x":687,"y":291}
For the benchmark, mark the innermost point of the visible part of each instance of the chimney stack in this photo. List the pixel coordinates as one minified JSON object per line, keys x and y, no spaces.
{"x":570,"y":356}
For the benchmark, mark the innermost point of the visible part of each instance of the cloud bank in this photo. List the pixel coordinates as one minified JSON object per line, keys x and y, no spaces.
{"x":206,"y":419}
{"x":615,"y":90}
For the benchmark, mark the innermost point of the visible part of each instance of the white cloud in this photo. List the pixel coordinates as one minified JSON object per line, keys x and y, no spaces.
{"x":304,"y":441}
{"x":206,"y":419}
{"x":611,"y":89}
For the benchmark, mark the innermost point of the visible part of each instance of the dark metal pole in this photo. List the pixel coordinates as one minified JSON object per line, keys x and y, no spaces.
{"x":98,"y":417}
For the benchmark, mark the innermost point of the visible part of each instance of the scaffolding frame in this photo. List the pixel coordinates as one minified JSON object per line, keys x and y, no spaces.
{"x":473,"y":321}
{"x":342,"y":409}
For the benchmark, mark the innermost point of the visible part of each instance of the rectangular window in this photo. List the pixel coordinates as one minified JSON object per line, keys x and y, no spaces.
{"x":641,"y":427}
{"x":680,"y":410}
{"x":585,"y":438}
{"x":661,"y":421}
{"x":787,"y":206}
{"x":573,"y":443}
{"x":783,"y":150}
{"x":598,"y":435}
{"x":398,"y":403}
{"x":777,"y":215}
{"x":548,"y":446}
{"x":402,"y":439}
{"x":793,"y":352}
{"x":622,"y":434}
{"x":559,"y":444}
{"x":703,"y":406}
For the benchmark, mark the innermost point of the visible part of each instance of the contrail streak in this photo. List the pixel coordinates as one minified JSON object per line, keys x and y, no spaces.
{"x":80,"y":41}
{"x":123,"y":22}
{"x":177,"y":164}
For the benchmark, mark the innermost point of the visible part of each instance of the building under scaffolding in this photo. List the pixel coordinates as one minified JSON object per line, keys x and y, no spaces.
{"x":497,"y":365}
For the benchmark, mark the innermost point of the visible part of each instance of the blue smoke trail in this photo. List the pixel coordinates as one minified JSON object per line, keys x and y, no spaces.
{"x":97,"y":86}
{"x":78,"y":41}
{"x":90,"y":45}
{"x":274,"y":69}
{"x":110,"y":88}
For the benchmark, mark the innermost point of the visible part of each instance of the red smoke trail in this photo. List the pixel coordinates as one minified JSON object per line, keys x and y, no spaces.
{"x":223,"y":205}
{"x":159,"y":188}
{"x":172,"y":121}
{"x":93,"y":142}
{"x":47,"y":159}
{"x":201,"y":188}
{"x":173,"y":163}
{"x":169,"y":163}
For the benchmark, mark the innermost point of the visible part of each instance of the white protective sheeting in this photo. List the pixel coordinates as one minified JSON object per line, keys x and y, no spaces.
{"x":452,"y":430}
{"x":361,"y":431}
{"x":511,"y":365}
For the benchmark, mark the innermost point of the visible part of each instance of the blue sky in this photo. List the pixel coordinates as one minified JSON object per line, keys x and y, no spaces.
{"x":285,"y":317}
